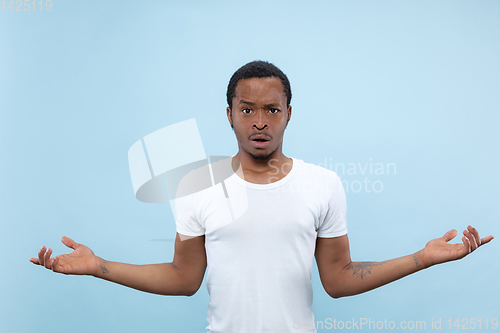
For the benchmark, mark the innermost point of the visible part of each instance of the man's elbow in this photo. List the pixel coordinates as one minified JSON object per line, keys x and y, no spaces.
{"x":193,"y":289}
{"x":182,"y":289}
{"x":336,"y":292}
{"x":190,"y":292}
{"x":181,"y":292}
{"x":333,"y":294}
{"x":336,"y":295}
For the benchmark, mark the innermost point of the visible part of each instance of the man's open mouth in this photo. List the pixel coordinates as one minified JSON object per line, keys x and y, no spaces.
{"x":260,"y":141}
{"x":260,"y":138}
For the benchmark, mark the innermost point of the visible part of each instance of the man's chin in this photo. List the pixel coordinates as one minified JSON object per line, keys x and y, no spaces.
{"x":261,"y":157}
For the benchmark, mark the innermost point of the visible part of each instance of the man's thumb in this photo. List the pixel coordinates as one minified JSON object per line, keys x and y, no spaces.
{"x":69,"y":242}
{"x":449,"y":235}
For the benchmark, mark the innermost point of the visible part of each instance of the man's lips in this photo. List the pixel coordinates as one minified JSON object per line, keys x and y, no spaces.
{"x":260,"y":140}
{"x":260,"y":137}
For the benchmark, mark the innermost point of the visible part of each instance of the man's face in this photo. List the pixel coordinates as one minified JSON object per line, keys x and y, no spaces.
{"x":259,"y":116}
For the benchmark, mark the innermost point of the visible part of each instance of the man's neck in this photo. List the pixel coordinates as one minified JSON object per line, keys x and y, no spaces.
{"x":265,"y":171}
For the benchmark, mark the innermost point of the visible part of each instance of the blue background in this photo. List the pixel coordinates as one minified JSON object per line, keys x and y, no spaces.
{"x":414,"y":83}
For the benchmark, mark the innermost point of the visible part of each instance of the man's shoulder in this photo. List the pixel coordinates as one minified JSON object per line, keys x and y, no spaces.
{"x":319,"y":181}
{"x":313,"y":170}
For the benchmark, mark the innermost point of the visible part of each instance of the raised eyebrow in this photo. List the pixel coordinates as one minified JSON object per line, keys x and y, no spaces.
{"x":246,"y":102}
{"x":272,"y":105}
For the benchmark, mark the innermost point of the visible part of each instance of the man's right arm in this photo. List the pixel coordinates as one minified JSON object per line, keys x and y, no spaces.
{"x":182,"y":276}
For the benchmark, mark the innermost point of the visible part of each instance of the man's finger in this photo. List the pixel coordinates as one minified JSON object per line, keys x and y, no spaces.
{"x":69,"y":242}
{"x":41,"y":253}
{"x":486,"y":239}
{"x":46,"y":258}
{"x":35,"y":261}
{"x":466,"y":245}
{"x":475,"y":233}
{"x":472,"y":240}
{"x":55,"y":263}
{"x":449,"y":235}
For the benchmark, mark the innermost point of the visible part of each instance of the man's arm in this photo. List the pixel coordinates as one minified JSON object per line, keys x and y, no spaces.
{"x":342,"y":277}
{"x":183,"y":276}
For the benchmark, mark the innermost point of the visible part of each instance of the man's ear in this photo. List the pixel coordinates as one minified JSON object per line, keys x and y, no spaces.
{"x":289,"y":115}
{"x":229,"y":116}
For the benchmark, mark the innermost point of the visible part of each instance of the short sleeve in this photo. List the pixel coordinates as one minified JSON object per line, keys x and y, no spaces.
{"x":334,"y":222}
{"x":186,"y":218}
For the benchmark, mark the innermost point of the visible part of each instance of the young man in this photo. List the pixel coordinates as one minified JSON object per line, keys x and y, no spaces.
{"x":260,"y":229}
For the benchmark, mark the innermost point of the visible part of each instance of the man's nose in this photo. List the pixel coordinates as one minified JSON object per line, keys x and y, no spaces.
{"x":261,"y":120}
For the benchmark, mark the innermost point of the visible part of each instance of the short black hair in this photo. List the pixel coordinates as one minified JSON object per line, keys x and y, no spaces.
{"x":258,"y":68}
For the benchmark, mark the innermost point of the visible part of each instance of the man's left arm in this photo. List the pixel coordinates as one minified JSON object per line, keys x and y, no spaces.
{"x":342,"y":277}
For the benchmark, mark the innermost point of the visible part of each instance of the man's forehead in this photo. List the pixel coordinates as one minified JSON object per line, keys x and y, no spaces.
{"x":264,"y":87}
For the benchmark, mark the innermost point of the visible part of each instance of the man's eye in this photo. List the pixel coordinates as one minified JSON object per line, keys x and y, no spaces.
{"x":247,"y":110}
{"x":272,"y":110}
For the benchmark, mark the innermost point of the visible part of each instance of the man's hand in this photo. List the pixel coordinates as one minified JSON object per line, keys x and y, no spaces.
{"x":183,"y":276}
{"x":81,"y":261}
{"x":438,"y":250}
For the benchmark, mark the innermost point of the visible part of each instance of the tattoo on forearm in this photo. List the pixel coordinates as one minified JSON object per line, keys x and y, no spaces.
{"x":415,"y":259}
{"x":103,"y":267}
{"x":363,"y":268}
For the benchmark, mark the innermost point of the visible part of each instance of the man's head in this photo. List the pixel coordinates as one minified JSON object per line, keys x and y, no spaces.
{"x":259,"y":109}
{"x":258,"y":68}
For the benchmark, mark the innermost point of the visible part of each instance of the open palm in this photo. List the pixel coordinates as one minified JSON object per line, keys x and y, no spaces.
{"x":439,"y":250}
{"x":82,"y":261}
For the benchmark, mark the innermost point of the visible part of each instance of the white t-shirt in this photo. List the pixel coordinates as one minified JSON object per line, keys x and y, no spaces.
{"x":260,"y":241}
